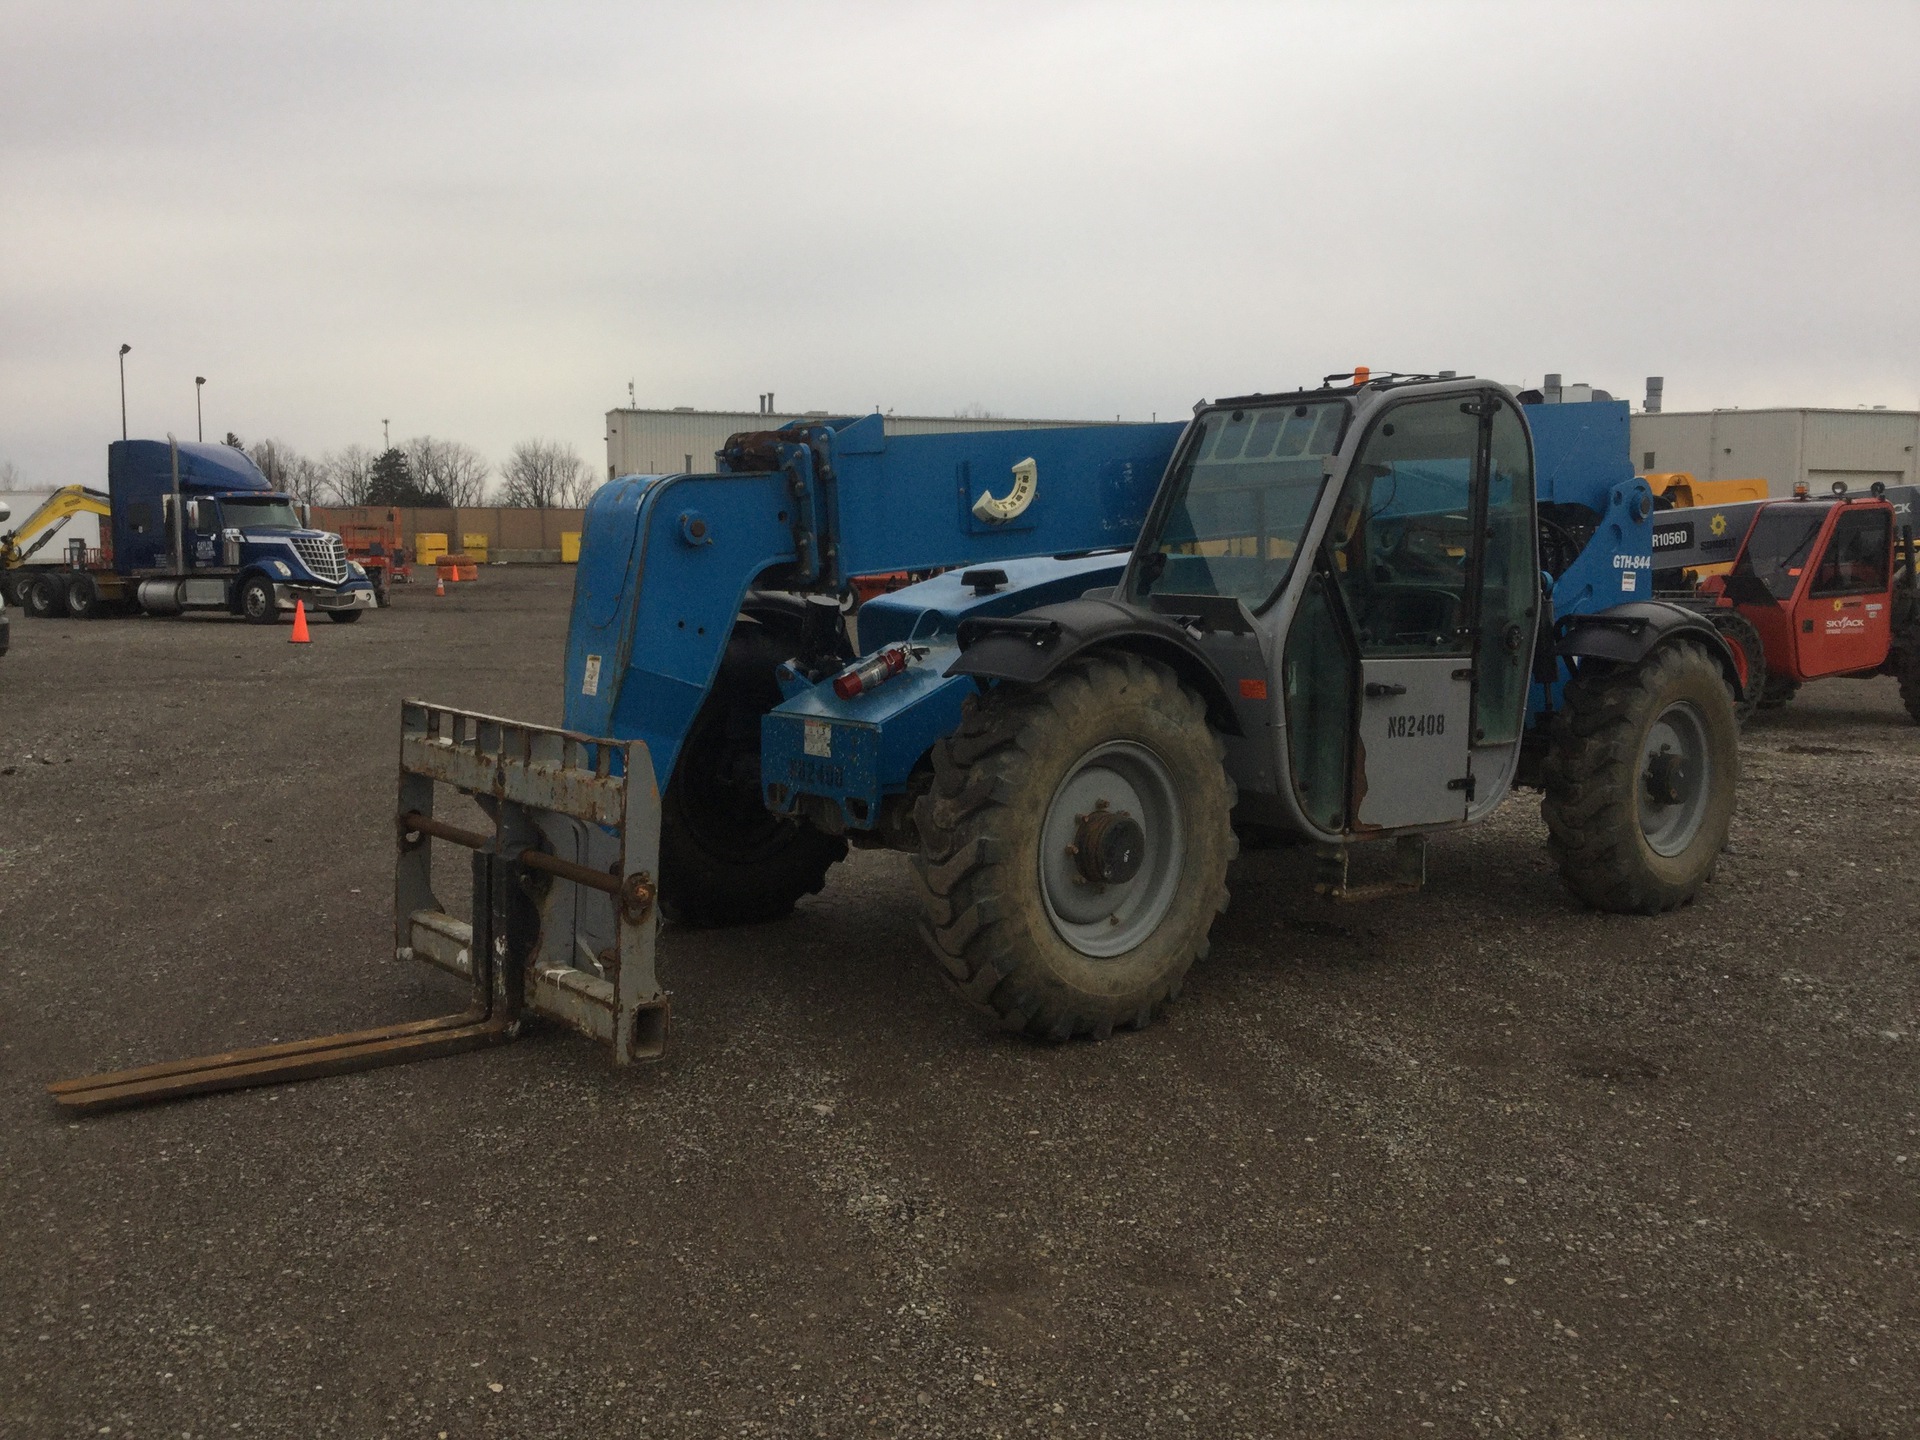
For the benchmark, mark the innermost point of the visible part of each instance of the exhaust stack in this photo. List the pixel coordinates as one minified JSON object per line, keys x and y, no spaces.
{"x":1656,"y":392}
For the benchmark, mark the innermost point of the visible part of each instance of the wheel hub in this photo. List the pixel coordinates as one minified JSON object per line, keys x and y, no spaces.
{"x":1675,"y":779}
{"x":1108,"y":845}
{"x":1666,"y":779}
{"x":1111,"y":849}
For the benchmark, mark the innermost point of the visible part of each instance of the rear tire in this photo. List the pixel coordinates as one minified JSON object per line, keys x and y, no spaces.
{"x":1014,"y":930}
{"x":1741,"y":634}
{"x":1778,"y":691}
{"x":45,"y":596}
{"x":1641,"y":781}
{"x":83,"y":597}
{"x":1906,"y":666}
{"x":725,"y":859}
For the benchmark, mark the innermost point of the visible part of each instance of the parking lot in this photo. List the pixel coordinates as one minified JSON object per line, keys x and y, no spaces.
{"x":1472,"y":1162}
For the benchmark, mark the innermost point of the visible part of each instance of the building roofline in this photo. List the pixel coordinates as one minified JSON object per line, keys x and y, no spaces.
{"x":1782,"y":410}
{"x":782,"y":417}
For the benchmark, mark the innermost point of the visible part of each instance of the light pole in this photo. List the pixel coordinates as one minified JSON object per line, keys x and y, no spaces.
{"x":199,"y":426}
{"x":123,"y":390}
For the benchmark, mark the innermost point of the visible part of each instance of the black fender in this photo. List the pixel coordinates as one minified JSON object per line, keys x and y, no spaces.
{"x":1025,"y":649}
{"x":1627,"y":634}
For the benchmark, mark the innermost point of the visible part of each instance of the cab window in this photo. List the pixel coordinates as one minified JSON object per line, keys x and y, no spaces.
{"x":1401,"y":538}
{"x":1855,"y":562}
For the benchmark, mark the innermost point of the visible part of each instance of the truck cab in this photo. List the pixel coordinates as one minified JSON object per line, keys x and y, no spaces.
{"x":198,"y":527}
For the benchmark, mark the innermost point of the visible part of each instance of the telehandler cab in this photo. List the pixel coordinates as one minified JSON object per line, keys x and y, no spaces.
{"x":1318,"y":615}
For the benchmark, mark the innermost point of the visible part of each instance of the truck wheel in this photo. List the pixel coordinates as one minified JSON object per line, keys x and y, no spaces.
{"x":343,"y":617}
{"x":725,"y":859}
{"x":1074,"y":847}
{"x":83,"y":597}
{"x":257,"y":602}
{"x":45,"y":596}
{"x":1778,"y":690}
{"x":1641,"y":779}
{"x":1742,"y":635}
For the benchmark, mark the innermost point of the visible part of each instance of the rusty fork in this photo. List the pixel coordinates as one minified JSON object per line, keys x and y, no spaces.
{"x":580,"y":951}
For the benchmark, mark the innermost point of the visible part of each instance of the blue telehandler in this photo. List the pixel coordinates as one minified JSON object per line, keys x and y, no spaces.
{"x":1345,"y":617}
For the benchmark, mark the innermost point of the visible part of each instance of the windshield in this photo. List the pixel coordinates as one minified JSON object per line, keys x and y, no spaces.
{"x":1779,"y":547}
{"x":262,"y":514}
{"x":1242,"y":499}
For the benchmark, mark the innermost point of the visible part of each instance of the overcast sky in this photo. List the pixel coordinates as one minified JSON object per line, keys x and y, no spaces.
{"x":482,"y":220}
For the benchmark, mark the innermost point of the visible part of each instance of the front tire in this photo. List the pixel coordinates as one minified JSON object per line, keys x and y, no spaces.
{"x":725,"y":859}
{"x":1742,"y":634}
{"x":257,"y":601}
{"x":343,"y":617}
{"x":1641,"y":781}
{"x":1042,"y":906}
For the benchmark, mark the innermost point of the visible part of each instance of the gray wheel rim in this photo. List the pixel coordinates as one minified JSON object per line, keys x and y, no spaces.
{"x":257,"y":601}
{"x":1678,"y":737}
{"x":1103,"y":921}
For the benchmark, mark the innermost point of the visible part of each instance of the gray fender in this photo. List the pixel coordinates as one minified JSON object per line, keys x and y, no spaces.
{"x":1025,"y":649}
{"x":1627,"y":634}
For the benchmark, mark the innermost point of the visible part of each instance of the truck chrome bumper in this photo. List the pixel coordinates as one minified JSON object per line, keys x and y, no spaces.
{"x":319,"y":597}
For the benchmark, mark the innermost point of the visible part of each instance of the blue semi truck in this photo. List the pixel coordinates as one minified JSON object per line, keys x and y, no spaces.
{"x":198,"y":527}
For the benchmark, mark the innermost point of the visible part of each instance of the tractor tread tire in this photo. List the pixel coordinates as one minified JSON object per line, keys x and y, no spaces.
{"x":1906,"y":667}
{"x":703,"y":883}
{"x":1593,"y":775}
{"x":985,"y":921}
{"x":1738,"y":631}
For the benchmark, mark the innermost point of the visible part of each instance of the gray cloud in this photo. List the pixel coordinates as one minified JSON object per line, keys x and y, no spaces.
{"x":482,"y":220}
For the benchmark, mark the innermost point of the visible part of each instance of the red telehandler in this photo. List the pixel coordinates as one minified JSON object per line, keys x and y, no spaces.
{"x":1820,"y":587}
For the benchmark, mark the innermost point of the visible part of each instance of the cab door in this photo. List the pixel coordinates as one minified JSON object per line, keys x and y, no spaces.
{"x":1843,"y":615}
{"x":1405,"y":548}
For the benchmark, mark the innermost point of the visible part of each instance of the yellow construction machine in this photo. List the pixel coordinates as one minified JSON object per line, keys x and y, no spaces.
{"x":20,"y":544}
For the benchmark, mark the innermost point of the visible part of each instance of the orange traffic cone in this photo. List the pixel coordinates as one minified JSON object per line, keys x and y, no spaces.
{"x":300,"y":636}
{"x":440,"y":585}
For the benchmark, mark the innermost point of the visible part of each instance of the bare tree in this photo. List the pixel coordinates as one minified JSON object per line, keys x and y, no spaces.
{"x":975,"y":410}
{"x":9,"y":476}
{"x":545,"y":475}
{"x":287,"y":469}
{"x":349,"y":474}
{"x":448,"y":467}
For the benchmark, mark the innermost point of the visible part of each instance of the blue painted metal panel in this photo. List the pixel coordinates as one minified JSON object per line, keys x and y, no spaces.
{"x":905,"y":502}
{"x":653,"y":606}
{"x":1580,"y":452}
{"x":937,"y":606}
{"x":854,"y":752}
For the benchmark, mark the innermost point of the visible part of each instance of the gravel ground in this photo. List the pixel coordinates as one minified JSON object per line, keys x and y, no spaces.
{"x":1475,"y":1162}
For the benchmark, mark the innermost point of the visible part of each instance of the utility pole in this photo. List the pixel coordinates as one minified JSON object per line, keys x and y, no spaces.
{"x":199,"y":425}
{"x":386,"y":439}
{"x":123,"y":390}
{"x":632,"y":404}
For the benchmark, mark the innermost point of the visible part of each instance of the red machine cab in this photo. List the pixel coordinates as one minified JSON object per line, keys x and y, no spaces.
{"x":1816,"y":579}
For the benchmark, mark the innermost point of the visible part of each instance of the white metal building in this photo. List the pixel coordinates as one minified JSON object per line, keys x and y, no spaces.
{"x":1782,"y":446}
{"x":667,"y":442}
